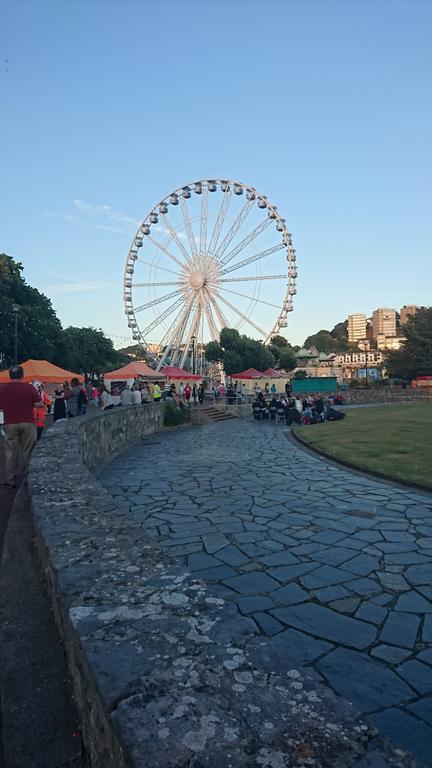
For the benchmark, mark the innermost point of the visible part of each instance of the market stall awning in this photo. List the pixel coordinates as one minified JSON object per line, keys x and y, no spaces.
{"x":249,"y":373}
{"x":42,"y":370}
{"x":136,"y":369}
{"x":270,"y":373}
{"x":173,"y":372}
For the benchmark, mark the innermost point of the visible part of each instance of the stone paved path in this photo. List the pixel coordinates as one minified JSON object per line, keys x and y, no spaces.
{"x":337,"y":568}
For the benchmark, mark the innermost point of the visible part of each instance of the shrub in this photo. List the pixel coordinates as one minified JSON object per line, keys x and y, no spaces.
{"x":174,"y":416}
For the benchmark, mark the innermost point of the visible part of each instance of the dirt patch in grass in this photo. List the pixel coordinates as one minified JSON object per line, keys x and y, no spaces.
{"x":394,"y":440}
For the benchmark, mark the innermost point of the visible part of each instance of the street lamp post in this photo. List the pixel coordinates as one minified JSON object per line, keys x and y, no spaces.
{"x":193,"y":354}
{"x":15,"y":310}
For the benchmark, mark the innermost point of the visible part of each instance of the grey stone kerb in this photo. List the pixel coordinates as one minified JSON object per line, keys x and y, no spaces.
{"x":164,"y":673}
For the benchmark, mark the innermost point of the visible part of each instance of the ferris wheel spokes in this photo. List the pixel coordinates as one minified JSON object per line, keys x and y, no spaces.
{"x":188,"y":225}
{"x":246,"y":241}
{"x":174,"y":235}
{"x":230,"y":235}
{"x":226,"y":199}
{"x":252,"y":259}
{"x":251,"y":298}
{"x":244,"y":317}
{"x":203,"y":225}
{"x":157,"y":301}
{"x":165,"y":250}
{"x":163,"y":316}
{"x":251,"y":277}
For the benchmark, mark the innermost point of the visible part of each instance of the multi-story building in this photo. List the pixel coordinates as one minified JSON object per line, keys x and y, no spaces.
{"x":384,"y":321}
{"x":349,"y":363}
{"x":389,"y":342}
{"x":356,"y":327}
{"x":406,"y":311}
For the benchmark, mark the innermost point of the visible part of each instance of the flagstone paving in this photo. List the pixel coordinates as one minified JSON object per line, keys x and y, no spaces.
{"x":335,"y":567}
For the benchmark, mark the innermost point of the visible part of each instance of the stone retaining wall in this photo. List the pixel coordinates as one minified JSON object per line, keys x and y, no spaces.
{"x":387,"y":395}
{"x":164,"y":673}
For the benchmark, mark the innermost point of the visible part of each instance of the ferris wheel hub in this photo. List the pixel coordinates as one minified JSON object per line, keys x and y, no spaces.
{"x":197,"y":280}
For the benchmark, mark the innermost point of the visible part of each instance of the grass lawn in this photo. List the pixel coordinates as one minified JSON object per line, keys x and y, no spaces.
{"x":395,"y":440}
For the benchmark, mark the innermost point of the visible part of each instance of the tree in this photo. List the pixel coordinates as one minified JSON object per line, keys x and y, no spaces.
{"x":239,"y":352}
{"x":300,"y":374}
{"x":279,"y":341}
{"x":39,"y":330}
{"x":232,"y":362}
{"x":325,"y":341}
{"x":415,"y":357}
{"x":90,"y":351}
{"x":213,"y":352}
{"x":287,"y":359}
{"x":340,"y":331}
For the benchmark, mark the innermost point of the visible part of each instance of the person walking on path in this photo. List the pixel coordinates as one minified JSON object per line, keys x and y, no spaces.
{"x":17,"y":401}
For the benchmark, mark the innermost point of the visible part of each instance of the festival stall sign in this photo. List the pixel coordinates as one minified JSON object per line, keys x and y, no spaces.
{"x":44,"y":371}
{"x":249,"y":373}
{"x":173,"y":372}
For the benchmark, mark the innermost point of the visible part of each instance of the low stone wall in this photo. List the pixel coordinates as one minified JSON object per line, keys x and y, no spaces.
{"x":99,"y":444}
{"x":165,"y":673}
{"x":387,"y":395}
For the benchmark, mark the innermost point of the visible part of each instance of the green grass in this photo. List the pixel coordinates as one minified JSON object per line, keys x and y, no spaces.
{"x":394,"y":440}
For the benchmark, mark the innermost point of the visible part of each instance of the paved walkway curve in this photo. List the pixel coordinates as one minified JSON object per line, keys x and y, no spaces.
{"x":336,"y":567}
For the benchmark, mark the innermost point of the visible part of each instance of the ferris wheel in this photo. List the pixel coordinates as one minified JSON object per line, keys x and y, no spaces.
{"x":213,"y":254}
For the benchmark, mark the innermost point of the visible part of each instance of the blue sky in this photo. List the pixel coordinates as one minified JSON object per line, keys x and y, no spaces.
{"x":322,"y":106}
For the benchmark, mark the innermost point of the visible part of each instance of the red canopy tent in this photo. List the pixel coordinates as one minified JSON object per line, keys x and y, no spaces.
{"x":249,"y":373}
{"x":136,"y":369}
{"x":270,"y":373}
{"x":173,"y":372}
{"x":42,"y":370}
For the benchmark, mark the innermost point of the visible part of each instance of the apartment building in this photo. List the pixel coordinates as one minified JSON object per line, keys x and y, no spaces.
{"x":406,"y":311}
{"x":384,"y":321}
{"x":356,"y":327}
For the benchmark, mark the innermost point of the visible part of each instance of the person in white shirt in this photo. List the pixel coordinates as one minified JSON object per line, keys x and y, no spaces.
{"x":126,"y":396}
{"x":136,"y":396}
{"x":105,"y":399}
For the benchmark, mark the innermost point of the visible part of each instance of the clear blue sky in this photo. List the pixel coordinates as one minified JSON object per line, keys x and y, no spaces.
{"x":323,"y":106}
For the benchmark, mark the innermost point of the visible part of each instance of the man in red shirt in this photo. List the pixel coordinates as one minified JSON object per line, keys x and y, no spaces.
{"x":17,"y":401}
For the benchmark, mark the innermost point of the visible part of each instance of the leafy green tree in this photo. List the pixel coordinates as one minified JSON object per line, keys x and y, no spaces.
{"x":39,"y":330}
{"x":300,"y":374}
{"x":415,"y":357}
{"x":90,"y":351}
{"x":232,"y":362}
{"x":213,"y":352}
{"x":230,"y":339}
{"x":287,"y":359}
{"x":239,"y":352}
{"x":279,"y":341}
{"x":324,"y":341}
{"x":340,"y":331}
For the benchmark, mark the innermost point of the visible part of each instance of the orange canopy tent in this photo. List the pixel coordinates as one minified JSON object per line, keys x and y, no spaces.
{"x":136,"y":369}
{"x":42,"y":370}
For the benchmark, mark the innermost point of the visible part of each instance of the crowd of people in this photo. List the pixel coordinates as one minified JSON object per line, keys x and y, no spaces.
{"x":295,"y":409}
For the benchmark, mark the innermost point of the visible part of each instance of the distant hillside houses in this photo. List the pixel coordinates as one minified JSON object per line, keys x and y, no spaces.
{"x":344,"y":365}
